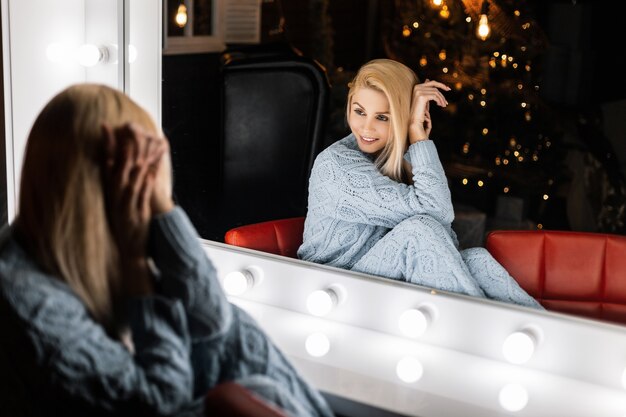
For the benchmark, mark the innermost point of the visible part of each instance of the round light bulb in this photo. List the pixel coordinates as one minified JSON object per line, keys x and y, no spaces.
{"x":238,"y":282}
{"x":409,"y":369}
{"x":317,"y":344}
{"x":414,"y":322}
{"x":181,"y":16}
{"x":483,"y":27}
{"x":89,"y":55}
{"x":321,"y":302}
{"x":518,"y":347}
{"x":513,"y":397}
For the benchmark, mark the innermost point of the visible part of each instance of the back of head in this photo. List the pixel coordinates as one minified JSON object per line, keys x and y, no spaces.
{"x":396,"y":81}
{"x":62,"y":217}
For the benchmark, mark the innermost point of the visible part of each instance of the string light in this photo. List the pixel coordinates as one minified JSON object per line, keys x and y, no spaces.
{"x":444,"y":12}
{"x":483,"y":29}
{"x":406,"y":32}
{"x":443,"y":55}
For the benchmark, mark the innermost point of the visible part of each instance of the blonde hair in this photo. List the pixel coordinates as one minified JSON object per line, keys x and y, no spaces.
{"x":396,"y":82}
{"x":62,"y":217}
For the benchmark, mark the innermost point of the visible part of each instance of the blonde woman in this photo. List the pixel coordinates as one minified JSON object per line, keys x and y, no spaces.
{"x":108,"y":303}
{"x":379,"y":201}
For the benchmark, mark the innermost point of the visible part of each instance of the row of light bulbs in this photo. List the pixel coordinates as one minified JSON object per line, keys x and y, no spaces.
{"x":517,"y":348}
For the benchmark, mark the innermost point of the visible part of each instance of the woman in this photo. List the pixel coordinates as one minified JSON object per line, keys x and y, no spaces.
{"x":109,"y":304}
{"x":379,"y":201}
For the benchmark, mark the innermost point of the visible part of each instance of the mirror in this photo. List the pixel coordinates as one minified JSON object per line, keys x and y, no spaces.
{"x":191,"y":116}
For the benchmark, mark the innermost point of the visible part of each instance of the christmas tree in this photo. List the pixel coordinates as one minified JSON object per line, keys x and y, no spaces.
{"x":497,"y":136}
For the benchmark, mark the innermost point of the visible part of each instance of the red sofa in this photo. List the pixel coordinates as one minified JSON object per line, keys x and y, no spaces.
{"x":572,"y":272}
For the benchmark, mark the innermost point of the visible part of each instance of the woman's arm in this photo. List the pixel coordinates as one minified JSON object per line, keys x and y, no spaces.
{"x":346,"y":185}
{"x":187,"y":274}
{"x":83,"y":370}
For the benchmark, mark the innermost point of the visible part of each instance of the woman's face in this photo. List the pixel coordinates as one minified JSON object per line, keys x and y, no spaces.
{"x":369,"y":119}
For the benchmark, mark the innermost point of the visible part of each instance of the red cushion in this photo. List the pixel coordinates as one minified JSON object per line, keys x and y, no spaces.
{"x":229,"y":399}
{"x":282,"y":237}
{"x":571,"y":272}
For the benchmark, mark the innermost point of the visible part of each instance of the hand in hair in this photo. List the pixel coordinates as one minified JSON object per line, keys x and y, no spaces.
{"x":420,"y":125}
{"x":132,"y":160}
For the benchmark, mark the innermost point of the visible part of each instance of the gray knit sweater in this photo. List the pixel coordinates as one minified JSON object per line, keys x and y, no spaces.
{"x":56,"y":360}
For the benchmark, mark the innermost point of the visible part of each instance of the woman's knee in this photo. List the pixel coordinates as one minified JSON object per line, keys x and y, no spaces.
{"x":422,"y":226}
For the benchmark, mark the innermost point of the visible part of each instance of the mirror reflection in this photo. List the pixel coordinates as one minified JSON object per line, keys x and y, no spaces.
{"x":526,"y":142}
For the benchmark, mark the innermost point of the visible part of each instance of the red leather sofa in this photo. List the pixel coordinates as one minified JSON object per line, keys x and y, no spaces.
{"x":571,"y":272}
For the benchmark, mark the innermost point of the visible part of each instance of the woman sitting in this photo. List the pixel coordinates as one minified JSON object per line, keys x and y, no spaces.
{"x":379,"y":201}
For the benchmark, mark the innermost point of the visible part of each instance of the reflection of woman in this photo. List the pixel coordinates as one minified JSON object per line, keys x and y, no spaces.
{"x":109,"y":304}
{"x":379,"y":201}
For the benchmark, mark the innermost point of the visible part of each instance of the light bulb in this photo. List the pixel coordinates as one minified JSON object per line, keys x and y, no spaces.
{"x":238,"y":282}
{"x":414,"y":322}
{"x":513,"y":397}
{"x":409,"y":369}
{"x":181,"y":16}
{"x":317,"y":344}
{"x":89,"y":55}
{"x":321,"y":302}
{"x":519,"y":346}
{"x":483,"y":27}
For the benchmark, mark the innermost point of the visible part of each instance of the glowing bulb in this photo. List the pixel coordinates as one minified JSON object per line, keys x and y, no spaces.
{"x":414,"y":322}
{"x":181,"y":16}
{"x":321,"y":302}
{"x":409,"y":369}
{"x":437,"y":2}
{"x":513,"y":397}
{"x":317,"y":344}
{"x":238,"y":282}
{"x":89,"y":55}
{"x":483,"y":27}
{"x":519,"y":346}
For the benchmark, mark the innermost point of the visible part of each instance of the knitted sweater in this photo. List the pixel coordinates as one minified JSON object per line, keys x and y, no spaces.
{"x":352,"y":205}
{"x":362,"y":220}
{"x":56,"y":360}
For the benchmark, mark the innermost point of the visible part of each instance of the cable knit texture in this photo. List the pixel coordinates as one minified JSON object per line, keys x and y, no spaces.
{"x":56,"y":360}
{"x":359,"y":219}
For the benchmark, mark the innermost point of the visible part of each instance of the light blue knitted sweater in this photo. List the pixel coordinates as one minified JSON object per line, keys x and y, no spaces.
{"x":362,"y":220}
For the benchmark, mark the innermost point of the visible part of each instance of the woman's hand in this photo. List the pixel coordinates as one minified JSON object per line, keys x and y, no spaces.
{"x":132,"y":160}
{"x":420,"y":124}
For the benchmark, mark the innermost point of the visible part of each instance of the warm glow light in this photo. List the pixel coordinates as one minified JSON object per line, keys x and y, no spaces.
{"x":423,"y":61}
{"x":506,"y":190}
{"x":480,"y":183}
{"x":317,"y":344}
{"x":464,"y":181}
{"x":437,"y":2}
{"x":513,"y":397}
{"x":409,"y":369}
{"x":442,"y":54}
{"x":519,"y":347}
{"x":545,"y":196}
{"x":414,"y":322}
{"x":444,"y":12}
{"x":483,"y":27}
{"x":181,"y":16}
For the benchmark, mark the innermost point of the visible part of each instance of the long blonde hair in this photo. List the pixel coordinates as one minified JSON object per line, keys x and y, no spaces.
{"x":395,"y":81}
{"x":62,"y":218}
